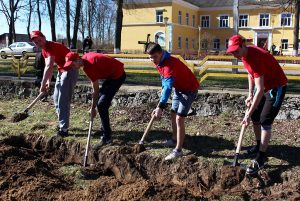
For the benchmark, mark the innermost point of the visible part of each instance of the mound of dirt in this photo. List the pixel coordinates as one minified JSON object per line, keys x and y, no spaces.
{"x":2,"y":117}
{"x":19,"y":117}
{"x":30,"y":169}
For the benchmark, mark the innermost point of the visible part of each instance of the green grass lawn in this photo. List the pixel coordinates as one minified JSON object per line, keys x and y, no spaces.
{"x":209,"y":138}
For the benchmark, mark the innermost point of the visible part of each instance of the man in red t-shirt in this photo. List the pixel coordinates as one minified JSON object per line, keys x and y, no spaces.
{"x":100,"y":67}
{"x":54,"y":52}
{"x":175,"y":74}
{"x":267,"y":87}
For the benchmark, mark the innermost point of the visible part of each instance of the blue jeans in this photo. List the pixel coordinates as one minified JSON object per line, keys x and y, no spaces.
{"x":63,"y":91}
{"x":182,"y":102}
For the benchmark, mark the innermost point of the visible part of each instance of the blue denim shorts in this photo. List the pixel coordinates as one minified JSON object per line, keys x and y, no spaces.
{"x":182,"y":102}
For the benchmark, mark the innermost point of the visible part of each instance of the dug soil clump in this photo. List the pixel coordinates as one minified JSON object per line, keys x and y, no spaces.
{"x":31,"y":169}
{"x":19,"y":117}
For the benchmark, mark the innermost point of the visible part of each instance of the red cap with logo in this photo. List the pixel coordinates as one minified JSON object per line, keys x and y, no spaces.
{"x":35,"y":34}
{"x":70,"y":57}
{"x":234,"y":43}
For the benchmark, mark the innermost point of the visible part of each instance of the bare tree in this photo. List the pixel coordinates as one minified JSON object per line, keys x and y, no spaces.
{"x":68,"y":23}
{"x":119,"y":24}
{"x":11,"y":13}
{"x":51,"y":4}
{"x":29,"y":17}
{"x":76,"y":22}
{"x":39,"y":14}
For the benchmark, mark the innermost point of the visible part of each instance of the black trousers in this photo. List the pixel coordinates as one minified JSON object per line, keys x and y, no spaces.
{"x":107,"y":92}
{"x":269,"y":106}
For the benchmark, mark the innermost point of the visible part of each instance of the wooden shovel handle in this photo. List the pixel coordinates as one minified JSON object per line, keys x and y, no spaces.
{"x":239,"y":145}
{"x":148,"y":128}
{"x":34,"y":101}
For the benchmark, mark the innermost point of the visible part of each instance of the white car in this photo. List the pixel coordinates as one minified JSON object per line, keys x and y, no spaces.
{"x":18,"y":48}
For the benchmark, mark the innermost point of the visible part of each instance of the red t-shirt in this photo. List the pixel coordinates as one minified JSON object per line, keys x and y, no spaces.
{"x":184,"y":79}
{"x":99,"y":67}
{"x":57,"y":50}
{"x":259,"y":62}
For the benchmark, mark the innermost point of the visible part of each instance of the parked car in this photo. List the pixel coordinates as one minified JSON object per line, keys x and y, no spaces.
{"x":19,"y":49}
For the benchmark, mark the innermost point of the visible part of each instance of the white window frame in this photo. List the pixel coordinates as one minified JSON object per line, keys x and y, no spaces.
{"x":269,"y":19}
{"x":215,"y":48}
{"x":179,"y":46}
{"x":219,"y":24}
{"x":193,"y":20}
{"x":187,"y":19}
{"x":247,"y":20}
{"x":193,"y":44}
{"x":187,"y":43}
{"x":179,"y":17}
{"x":291,"y":20}
{"x":162,"y":16}
{"x":205,"y":20}
{"x":284,"y":46}
{"x":226,"y":43}
{"x":202,"y":43}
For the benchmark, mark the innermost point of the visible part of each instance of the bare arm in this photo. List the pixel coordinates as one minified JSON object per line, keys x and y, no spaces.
{"x":250,"y":94}
{"x":251,"y":85}
{"x":259,"y":84}
{"x":49,"y":62}
{"x":95,"y":96}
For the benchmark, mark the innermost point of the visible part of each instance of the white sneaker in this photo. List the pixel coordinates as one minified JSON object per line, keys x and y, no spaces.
{"x":174,"y":154}
{"x":170,"y":143}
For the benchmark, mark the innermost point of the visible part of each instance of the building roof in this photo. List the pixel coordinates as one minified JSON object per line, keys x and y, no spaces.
{"x":212,"y":3}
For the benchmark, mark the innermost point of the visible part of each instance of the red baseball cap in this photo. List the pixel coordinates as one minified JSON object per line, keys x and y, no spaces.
{"x":234,"y":43}
{"x":35,"y":34}
{"x":70,"y":57}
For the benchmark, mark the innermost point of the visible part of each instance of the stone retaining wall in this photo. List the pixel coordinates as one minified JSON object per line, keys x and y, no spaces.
{"x":206,"y":104}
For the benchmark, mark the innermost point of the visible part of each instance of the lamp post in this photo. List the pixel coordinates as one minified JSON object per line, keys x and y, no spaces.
{"x":166,"y":19}
{"x":199,"y":40}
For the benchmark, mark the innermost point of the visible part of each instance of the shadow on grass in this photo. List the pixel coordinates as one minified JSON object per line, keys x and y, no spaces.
{"x":198,"y":145}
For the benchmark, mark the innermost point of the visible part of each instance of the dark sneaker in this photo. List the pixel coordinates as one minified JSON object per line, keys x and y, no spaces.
{"x":253,"y":150}
{"x":255,"y":166}
{"x":62,"y":133}
{"x":103,"y":141}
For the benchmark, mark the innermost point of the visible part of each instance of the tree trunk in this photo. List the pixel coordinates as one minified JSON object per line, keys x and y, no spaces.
{"x":51,"y":10}
{"x":29,"y":18}
{"x":39,"y":14}
{"x":76,"y":22}
{"x":68,"y":23}
{"x":296,"y":29}
{"x":89,"y":10}
{"x":119,"y":24}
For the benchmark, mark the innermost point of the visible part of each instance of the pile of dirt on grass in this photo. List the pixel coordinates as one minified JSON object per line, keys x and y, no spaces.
{"x":30,"y":169}
{"x":19,"y":117}
{"x":2,"y":117}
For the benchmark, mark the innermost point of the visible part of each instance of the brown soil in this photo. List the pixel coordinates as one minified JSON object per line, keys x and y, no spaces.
{"x":2,"y":117}
{"x":29,"y":170}
{"x":19,"y":117}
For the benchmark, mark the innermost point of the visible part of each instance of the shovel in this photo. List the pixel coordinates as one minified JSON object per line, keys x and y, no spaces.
{"x":88,"y":142}
{"x":23,"y":115}
{"x":147,"y":130}
{"x":239,"y":145}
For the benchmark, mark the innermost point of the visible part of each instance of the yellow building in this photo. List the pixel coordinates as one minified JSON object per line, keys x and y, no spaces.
{"x":179,"y":25}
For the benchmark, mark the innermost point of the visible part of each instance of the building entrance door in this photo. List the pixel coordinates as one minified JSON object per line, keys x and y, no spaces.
{"x":262,"y":43}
